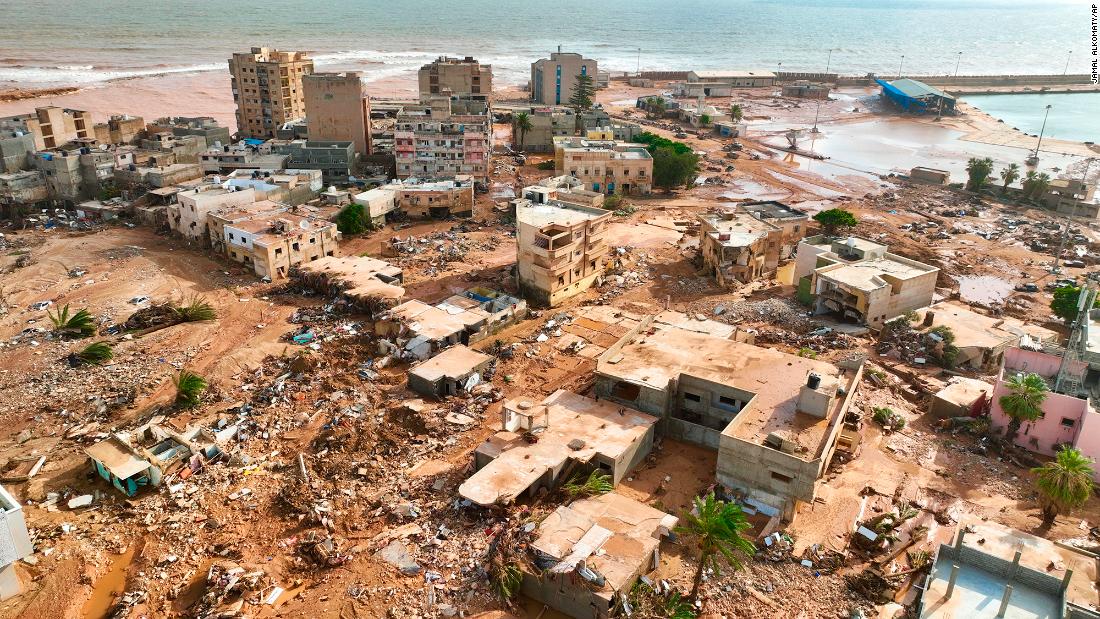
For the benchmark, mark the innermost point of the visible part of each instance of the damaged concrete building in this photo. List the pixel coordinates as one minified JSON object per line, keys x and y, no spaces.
{"x":461,"y":76}
{"x":362,"y":281}
{"x":274,"y":244}
{"x":774,"y":418}
{"x":562,"y":248}
{"x":15,"y":543}
{"x":436,"y":200}
{"x":858,"y":280}
{"x":789,"y":219}
{"x":605,"y":166}
{"x":456,"y":370}
{"x":980,"y":339}
{"x":420,"y":330}
{"x":576,"y":435}
{"x":444,"y":136}
{"x":591,"y":551}
{"x":737,"y":247}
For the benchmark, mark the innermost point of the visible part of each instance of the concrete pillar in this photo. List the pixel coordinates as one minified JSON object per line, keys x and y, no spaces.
{"x":1004,"y":601}
{"x":959,"y":539}
{"x":1066,"y":579}
{"x":951,"y":581}
{"x":1015,"y":569}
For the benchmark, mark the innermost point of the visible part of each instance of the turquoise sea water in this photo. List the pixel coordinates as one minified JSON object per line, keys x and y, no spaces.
{"x":48,"y":42}
{"x":1073,"y":116}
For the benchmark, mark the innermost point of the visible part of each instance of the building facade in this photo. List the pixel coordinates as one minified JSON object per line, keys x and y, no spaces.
{"x":562,"y":249}
{"x":338,"y":109}
{"x":52,"y":127}
{"x":607,"y":167}
{"x":267,"y":88}
{"x":273,"y":245}
{"x":553,"y":79}
{"x":444,"y":137}
{"x":461,"y":76}
{"x":737,"y":247}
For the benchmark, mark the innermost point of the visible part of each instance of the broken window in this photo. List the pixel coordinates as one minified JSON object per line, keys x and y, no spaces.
{"x":1067,"y":422}
{"x":693,"y":397}
{"x":781,"y":477}
{"x":623,"y":390}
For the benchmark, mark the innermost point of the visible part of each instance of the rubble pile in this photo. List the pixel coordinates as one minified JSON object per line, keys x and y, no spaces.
{"x":784,"y":313}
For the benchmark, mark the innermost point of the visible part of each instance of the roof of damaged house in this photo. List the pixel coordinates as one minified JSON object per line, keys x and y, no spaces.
{"x":973,"y":329}
{"x":868,"y":275}
{"x":610,"y":534}
{"x":963,"y":391}
{"x":118,"y":457}
{"x":439,"y":321}
{"x":734,"y":229}
{"x":455,"y":363}
{"x":359,"y":276}
{"x":560,"y":213}
{"x":772,"y":380}
{"x":578,"y":428}
{"x":770,"y":209}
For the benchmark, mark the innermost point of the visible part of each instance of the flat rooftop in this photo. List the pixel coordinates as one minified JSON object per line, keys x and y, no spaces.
{"x":773,"y":378}
{"x":453,"y":363}
{"x":563,"y":214}
{"x":437,"y":322}
{"x":867,"y":274}
{"x":603,"y":428}
{"x":359,"y":276}
{"x":612,"y":534}
{"x":975,"y":329}
{"x":963,"y":391}
{"x":118,"y":457}
{"x":770,"y":209}
{"x":731,"y":74}
{"x":734,"y":229}
{"x":978,"y":591}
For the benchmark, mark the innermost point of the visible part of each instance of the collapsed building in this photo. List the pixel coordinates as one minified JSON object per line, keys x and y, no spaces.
{"x":456,"y":370}
{"x":589,"y":553}
{"x":363,"y":282}
{"x":737,"y":247}
{"x":574,"y":435}
{"x":418,"y":330}
{"x":981,"y":340}
{"x":419,"y":200}
{"x":774,"y":418}
{"x":858,"y":280}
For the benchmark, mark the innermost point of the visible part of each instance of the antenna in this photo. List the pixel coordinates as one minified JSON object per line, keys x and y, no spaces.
{"x":1065,"y":381}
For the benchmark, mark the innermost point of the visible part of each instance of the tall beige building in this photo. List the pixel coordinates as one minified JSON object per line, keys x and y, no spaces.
{"x":553,"y":78}
{"x":267,"y":86}
{"x":51,"y":126}
{"x":338,"y":109}
{"x":462,"y":76}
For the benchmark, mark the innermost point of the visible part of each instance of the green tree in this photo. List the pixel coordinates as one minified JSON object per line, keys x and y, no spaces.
{"x":834,"y":219}
{"x":595,"y":483}
{"x":521,"y":124}
{"x":189,"y":388}
{"x":1064,"y":304}
{"x":654,"y":141}
{"x":1064,"y":484}
{"x":704,"y":120}
{"x":655,"y":107}
{"x":716,"y":527}
{"x":1024,"y":402}
{"x":352,"y":219}
{"x":978,"y":171}
{"x":672,"y":169}
{"x":80,"y":324}
{"x":1039,"y":185}
{"x":583,"y":91}
{"x":198,"y":309}
{"x":1009,"y":175}
{"x":736,"y":112}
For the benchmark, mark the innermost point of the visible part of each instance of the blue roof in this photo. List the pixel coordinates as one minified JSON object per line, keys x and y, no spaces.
{"x":252,"y":141}
{"x":912,"y":89}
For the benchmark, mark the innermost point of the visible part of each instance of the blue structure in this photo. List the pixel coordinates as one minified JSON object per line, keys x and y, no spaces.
{"x":917,"y":97}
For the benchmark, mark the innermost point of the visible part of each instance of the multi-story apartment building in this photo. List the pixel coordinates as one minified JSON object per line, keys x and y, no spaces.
{"x":605,"y":166}
{"x":553,"y":79}
{"x":267,"y":87}
{"x":338,"y":109}
{"x":335,"y":160}
{"x":444,"y":136}
{"x":461,"y":76}
{"x":562,"y":247}
{"x":204,"y":126}
{"x":274,"y":244}
{"x":547,"y":123}
{"x":51,"y":126}
{"x":190,"y":215}
{"x":15,"y":148}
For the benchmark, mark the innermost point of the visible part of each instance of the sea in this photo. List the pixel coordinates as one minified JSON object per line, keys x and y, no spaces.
{"x":82,"y":42}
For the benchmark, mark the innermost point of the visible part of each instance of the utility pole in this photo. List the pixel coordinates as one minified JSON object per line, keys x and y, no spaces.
{"x":901,"y":65}
{"x":957,"y":62}
{"x":829,"y":61}
{"x":1035,"y":156}
{"x":817,"y":113}
{"x":639,"y":69}
{"x":1068,"y":56}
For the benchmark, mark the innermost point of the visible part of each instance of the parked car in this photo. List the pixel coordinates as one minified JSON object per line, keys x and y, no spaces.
{"x":41,"y":305}
{"x":1028,"y":287}
{"x":142,"y":300}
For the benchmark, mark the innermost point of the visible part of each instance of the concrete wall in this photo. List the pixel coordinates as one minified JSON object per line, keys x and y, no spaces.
{"x":1044,"y":434}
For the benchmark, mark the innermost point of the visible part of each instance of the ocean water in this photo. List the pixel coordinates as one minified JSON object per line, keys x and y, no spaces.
{"x":1073,"y":116}
{"x":60,"y":42}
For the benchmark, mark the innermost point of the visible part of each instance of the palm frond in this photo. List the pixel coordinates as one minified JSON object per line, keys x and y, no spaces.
{"x":189,"y":388}
{"x":95,"y":354}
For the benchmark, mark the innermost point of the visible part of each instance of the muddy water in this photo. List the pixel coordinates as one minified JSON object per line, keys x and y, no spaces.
{"x":983,"y":288}
{"x":109,"y":587}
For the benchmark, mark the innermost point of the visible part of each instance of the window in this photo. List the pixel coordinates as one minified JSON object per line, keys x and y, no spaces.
{"x":693,"y":397}
{"x":625,"y":391}
{"x":313,"y":239}
{"x":278,"y":251}
{"x":1067,"y":422}
{"x":727,"y":400}
{"x":781,"y":477}
{"x":231,"y":236}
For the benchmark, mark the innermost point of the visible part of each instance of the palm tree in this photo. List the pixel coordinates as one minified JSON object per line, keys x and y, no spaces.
{"x":80,"y":324}
{"x":1063,"y":484}
{"x":1009,"y":175}
{"x":978,"y":171}
{"x":1029,"y":182}
{"x":94,"y":354}
{"x":1024,"y":403}
{"x":1040,"y":186}
{"x":189,"y":388}
{"x":716,"y":527}
{"x":521,"y":123}
{"x":197,"y":310}
{"x":596,"y":483}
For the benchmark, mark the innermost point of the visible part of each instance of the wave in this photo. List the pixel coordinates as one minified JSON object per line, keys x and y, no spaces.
{"x":82,"y":75}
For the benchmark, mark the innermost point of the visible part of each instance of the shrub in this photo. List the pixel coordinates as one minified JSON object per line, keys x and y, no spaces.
{"x":597,"y":483}
{"x":546,"y":165}
{"x":95,"y":354}
{"x":80,"y":324}
{"x":198,"y":309}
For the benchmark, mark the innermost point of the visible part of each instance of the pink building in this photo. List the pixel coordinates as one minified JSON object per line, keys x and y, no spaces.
{"x":1066,"y":420}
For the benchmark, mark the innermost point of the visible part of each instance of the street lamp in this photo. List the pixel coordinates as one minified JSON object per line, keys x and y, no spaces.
{"x":828,"y":61}
{"x":1034,"y":158}
{"x":1068,"y":56}
{"x":957,"y":62}
{"x":901,"y":65}
{"x":817,"y":113}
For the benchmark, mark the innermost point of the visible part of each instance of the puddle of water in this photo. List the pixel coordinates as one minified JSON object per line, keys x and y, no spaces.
{"x":810,"y":187}
{"x":983,"y":288}
{"x":109,"y":587}
{"x":750,"y":189}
